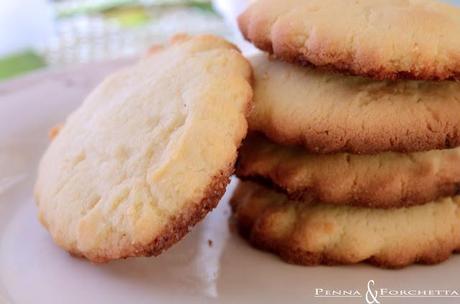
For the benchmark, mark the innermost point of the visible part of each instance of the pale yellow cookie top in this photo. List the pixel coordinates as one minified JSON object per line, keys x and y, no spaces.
{"x":384,"y":180}
{"x":329,"y":112}
{"x":149,"y":151}
{"x":327,"y":234}
{"x":417,"y":39}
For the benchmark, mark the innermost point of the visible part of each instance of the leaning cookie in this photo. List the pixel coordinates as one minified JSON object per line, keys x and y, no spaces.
{"x":149,"y":152}
{"x":326,"y":234}
{"x":327,"y":112}
{"x":384,"y":180}
{"x":379,"y":38}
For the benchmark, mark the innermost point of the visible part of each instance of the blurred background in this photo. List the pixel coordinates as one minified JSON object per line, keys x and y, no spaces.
{"x":35,"y":34}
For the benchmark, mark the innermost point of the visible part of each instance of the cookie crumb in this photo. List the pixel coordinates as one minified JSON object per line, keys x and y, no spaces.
{"x":55,"y":131}
{"x":210,"y":243}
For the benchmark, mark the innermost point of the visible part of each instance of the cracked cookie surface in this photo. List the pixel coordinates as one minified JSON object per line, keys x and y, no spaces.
{"x":148,"y":153}
{"x":384,"y":39}
{"x":326,"y":112}
{"x":326,"y":234}
{"x":384,"y":180}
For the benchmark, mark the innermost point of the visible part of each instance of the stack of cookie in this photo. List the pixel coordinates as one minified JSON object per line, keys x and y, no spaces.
{"x":361,"y":165}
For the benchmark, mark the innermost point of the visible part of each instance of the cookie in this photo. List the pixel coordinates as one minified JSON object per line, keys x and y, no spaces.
{"x":327,"y":112}
{"x":149,"y":152}
{"x":384,"y":180}
{"x":326,"y":234}
{"x":380,"y":38}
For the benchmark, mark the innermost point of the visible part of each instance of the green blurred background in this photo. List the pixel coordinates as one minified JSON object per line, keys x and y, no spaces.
{"x":42,"y":33}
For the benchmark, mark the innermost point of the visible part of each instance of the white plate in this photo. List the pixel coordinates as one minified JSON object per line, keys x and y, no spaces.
{"x":34,"y":270}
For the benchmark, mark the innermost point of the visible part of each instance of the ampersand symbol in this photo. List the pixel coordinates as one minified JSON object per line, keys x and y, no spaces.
{"x":371,"y":297}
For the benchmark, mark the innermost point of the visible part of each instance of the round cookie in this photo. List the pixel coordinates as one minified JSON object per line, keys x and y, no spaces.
{"x":327,"y":112}
{"x":326,"y":234}
{"x":149,"y":152}
{"x":382,"y":39}
{"x":384,"y":180}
